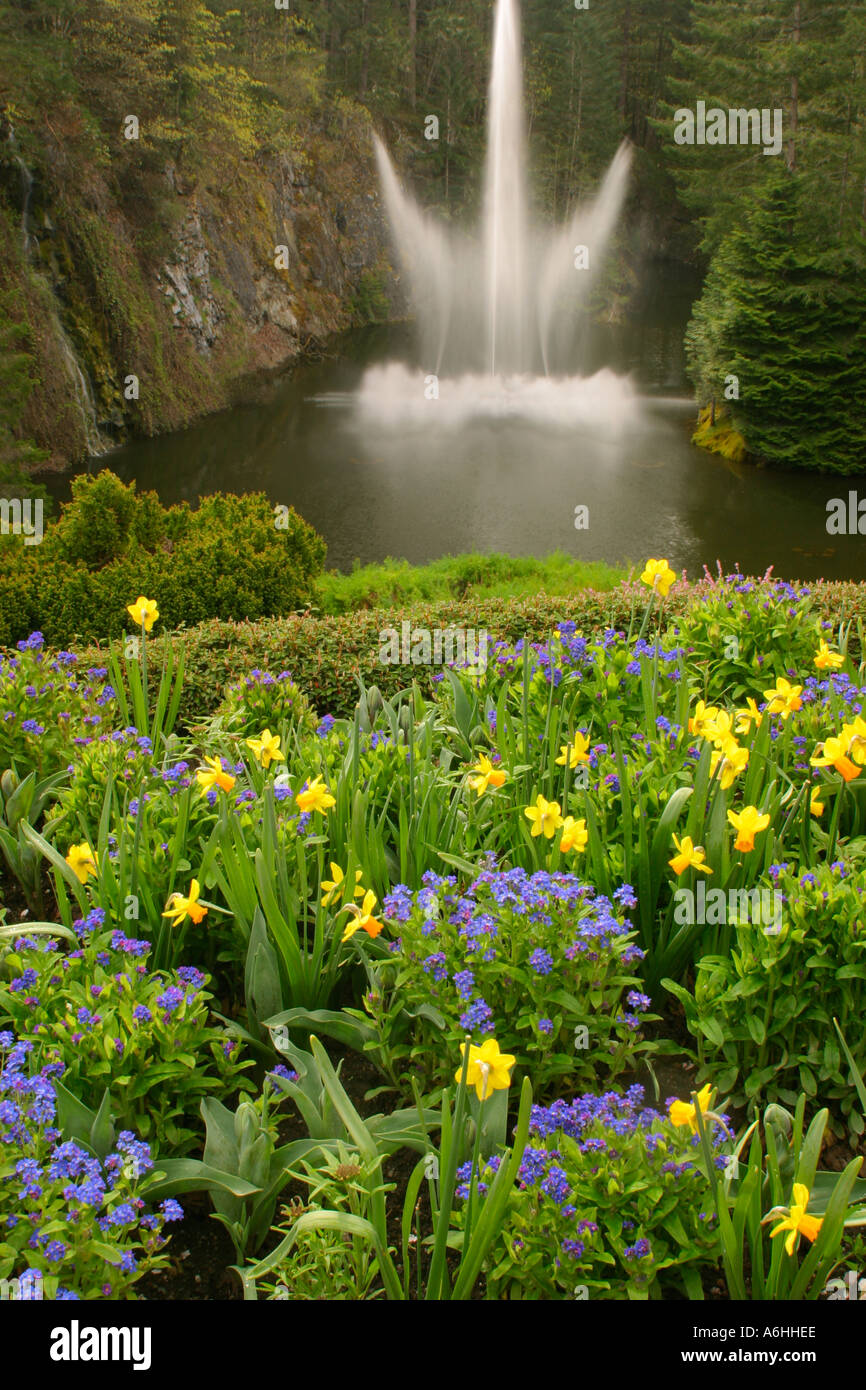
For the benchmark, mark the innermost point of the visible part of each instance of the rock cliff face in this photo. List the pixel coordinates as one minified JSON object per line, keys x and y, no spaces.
{"x":139,"y":328}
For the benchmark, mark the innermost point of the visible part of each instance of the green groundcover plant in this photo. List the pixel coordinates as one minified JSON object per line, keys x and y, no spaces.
{"x":762,"y":1016}
{"x":110,"y":1023}
{"x":72,"y":1225}
{"x":539,"y":959}
{"x":611,"y":1200}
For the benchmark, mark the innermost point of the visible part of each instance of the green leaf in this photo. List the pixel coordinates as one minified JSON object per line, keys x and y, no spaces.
{"x":177,"y":1175}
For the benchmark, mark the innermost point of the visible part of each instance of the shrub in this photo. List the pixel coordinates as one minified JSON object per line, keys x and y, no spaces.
{"x":328,"y":655}
{"x":230,"y":559}
{"x":96,"y":527}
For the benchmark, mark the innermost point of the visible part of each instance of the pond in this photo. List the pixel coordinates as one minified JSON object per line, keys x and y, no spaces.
{"x":429,"y":486}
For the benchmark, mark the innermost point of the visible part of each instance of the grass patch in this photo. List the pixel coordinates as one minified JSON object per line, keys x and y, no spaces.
{"x":458,"y":577}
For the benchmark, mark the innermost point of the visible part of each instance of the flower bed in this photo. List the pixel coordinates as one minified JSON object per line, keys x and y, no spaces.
{"x":508,"y":889}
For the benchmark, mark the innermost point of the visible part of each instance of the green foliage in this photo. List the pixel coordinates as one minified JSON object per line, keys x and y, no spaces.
{"x":56,"y":697}
{"x":563,"y":1013}
{"x":370,"y":301}
{"x":143,"y":1037}
{"x":799,"y":56}
{"x":105,"y":520}
{"x":263,"y":701}
{"x":612,"y":1203}
{"x":99,"y":1237}
{"x":736,"y":643}
{"x":328,"y":656}
{"x":17,"y":379}
{"x":460,"y":577}
{"x":786,"y":318}
{"x":441,"y":1280}
{"x":762,"y":1017}
{"x":325,"y":1263}
{"x":22,"y":803}
{"x":232,"y":558}
{"x":781,"y":1166}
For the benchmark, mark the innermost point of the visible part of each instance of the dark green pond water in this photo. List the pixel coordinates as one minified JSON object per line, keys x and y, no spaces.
{"x":432,"y":485}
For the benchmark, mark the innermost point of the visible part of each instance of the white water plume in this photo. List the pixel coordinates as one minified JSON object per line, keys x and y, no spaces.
{"x":506,"y":305}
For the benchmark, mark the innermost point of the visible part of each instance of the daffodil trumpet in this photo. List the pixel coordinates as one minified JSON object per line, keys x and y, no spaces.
{"x":364,"y":919}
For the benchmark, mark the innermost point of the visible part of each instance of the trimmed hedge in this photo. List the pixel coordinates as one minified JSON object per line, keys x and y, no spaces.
{"x":326,"y":654}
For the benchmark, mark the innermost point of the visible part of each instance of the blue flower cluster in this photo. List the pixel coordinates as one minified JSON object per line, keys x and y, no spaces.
{"x":53,"y":1185}
{"x":482,"y":952}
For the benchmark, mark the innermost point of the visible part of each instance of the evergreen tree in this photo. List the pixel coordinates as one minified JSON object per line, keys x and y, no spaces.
{"x":788,"y":319}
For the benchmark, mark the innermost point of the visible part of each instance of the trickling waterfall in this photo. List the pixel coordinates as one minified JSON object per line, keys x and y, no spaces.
{"x":82,"y":390}
{"x":97,"y":443}
{"x":26,"y":191}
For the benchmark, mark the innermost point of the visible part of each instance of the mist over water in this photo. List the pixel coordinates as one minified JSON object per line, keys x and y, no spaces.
{"x":392,"y":395}
{"x":498,"y":313}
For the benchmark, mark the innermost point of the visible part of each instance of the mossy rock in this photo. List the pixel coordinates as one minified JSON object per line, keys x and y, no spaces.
{"x":720,"y":438}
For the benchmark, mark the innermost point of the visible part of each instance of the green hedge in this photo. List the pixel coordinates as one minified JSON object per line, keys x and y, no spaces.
{"x":326,"y":655}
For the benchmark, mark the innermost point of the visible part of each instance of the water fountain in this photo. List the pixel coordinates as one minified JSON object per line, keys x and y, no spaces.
{"x":497,"y":314}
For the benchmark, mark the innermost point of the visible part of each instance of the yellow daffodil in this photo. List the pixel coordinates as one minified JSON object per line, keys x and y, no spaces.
{"x":816,"y":805}
{"x":546,"y":817}
{"x":316,"y":797}
{"x":489,"y":1069}
{"x":338,"y":883}
{"x":745,"y":718}
{"x":798,"y":1222}
{"x":213,"y":776}
{"x":825,"y":659}
{"x":575,"y":752}
{"x":688,"y":856}
{"x":682,"y":1112}
{"x":143,"y":612}
{"x":81,"y":861}
{"x":855,"y":737}
{"x":363,"y":917}
{"x":747,"y":824}
{"x":834,"y":753}
{"x":488,"y":775}
{"x":730,"y":760}
{"x":574,"y":835}
{"x":719,"y":730}
{"x":659,"y":576}
{"x":784,"y":698}
{"x":703,"y":715}
{"x":180,"y":907}
{"x":267,"y":748}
